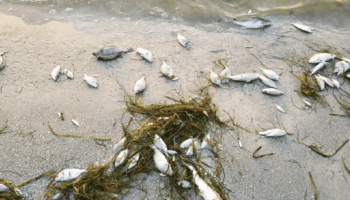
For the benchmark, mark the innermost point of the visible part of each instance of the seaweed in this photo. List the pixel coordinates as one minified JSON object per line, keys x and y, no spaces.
{"x":12,"y":194}
{"x":313,"y":183}
{"x":318,"y":151}
{"x":3,"y":128}
{"x":36,"y":178}
{"x":260,"y":156}
{"x":76,"y":136}
{"x":346,"y":168}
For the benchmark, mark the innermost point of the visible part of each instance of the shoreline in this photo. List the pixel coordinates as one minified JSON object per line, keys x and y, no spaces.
{"x":30,"y":99}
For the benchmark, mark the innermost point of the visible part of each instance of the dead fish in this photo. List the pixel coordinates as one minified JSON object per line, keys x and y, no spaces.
{"x":270,"y":74}
{"x":161,"y":162}
{"x":214,"y":78}
{"x":340,"y":67}
{"x":273,"y":133}
{"x":172,"y":152}
{"x":145,"y":54}
{"x":318,"y":67}
{"x":55,"y":72}
{"x":321,"y":57}
{"x":184,"y":184}
{"x":75,"y":122}
{"x":254,"y":22}
{"x":267,"y":81}
{"x":328,"y":81}
{"x":121,"y":157}
{"x":193,"y":146}
{"x":140,"y":85}
{"x":4,"y":188}
{"x":204,"y":189}
{"x":69,"y":174}
{"x":320,"y":82}
{"x":168,"y":71}
{"x":65,"y":71}
{"x":336,"y":83}
{"x":205,"y":142}
{"x":345,"y":59}
{"x":272,"y":91}
{"x":57,"y":196}
{"x":160,"y":144}
{"x":70,"y":74}
{"x":280,"y":109}
{"x":347,"y":76}
{"x":60,"y":115}
{"x":302,"y":27}
{"x":244,"y":77}
{"x":90,"y":80}
{"x":306,"y":102}
{"x":183,"y":41}
{"x":109,"y":53}
{"x":226,"y":72}
{"x":186,"y":143}
{"x":134,"y":160}
{"x":117,"y":147}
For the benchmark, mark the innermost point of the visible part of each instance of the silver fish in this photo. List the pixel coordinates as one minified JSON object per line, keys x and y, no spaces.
{"x":320,"y":82}
{"x":69,"y":174}
{"x":145,"y":54}
{"x":168,"y":72}
{"x":270,"y":74}
{"x":90,"y":80}
{"x":318,"y":67}
{"x":347,"y":76}
{"x":214,"y":78}
{"x":70,"y":74}
{"x":336,"y":83}
{"x":306,"y":102}
{"x":321,"y":57}
{"x":273,"y":133}
{"x":244,"y":77}
{"x":4,"y":188}
{"x":272,"y":91}
{"x":172,"y":152}
{"x":57,"y":196}
{"x":75,"y":122}
{"x":226,"y":72}
{"x":302,"y":27}
{"x":134,"y":160}
{"x":109,"y":53}
{"x":161,"y":162}
{"x":328,"y":81}
{"x":346,"y":60}
{"x":55,"y":72}
{"x":254,"y":22}
{"x":160,"y":144}
{"x":117,"y":147}
{"x":184,"y":184}
{"x":267,"y":81}
{"x":340,"y":67}
{"x":121,"y":157}
{"x":140,"y":85}
{"x":183,"y":41}
{"x":186,"y":143}
{"x":280,"y":108}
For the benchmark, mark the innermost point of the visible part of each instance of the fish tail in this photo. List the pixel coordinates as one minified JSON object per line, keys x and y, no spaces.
{"x":130,"y":50}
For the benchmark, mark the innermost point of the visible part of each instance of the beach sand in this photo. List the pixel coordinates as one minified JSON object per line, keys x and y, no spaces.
{"x":30,"y":99}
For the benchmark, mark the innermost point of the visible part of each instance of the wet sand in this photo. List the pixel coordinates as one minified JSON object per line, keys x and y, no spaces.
{"x":30,"y":99}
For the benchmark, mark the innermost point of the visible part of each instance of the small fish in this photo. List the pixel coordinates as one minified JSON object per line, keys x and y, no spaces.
{"x":345,"y":59}
{"x":318,"y":67}
{"x":328,"y":81}
{"x":57,"y":196}
{"x":134,"y":160}
{"x":75,"y":123}
{"x":272,"y":91}
{"x":55,"y":72}
{"x":302,"y":27}
{"x":254,"y":22}
{"x":186,"y":143}
{"x":214,"y":78}
{"x":172,"y":152}
{"x":161,"y":162}
{"x":60,"y":115}
{"x":109,"y":53}
{"x":244,"y":77}
{"x":320,"y":82}
{"x":145,"y":54}
{"x":168,"y":71}
{"x":205,"y":143}
{"x":280,"y":109}
{"x":347,"y":76}
{"x":140,"y":85}
{"x":65,"y":71}
{"x":184,"y":184}
{"x":270,"y":74}
{"x":267,"y":81}
{"x":117,"y":147}
{"x":4,"y":188}
{"x":69,"y":174}
{"x":226,"y":72}
{"x":273,"y":133}
{"x":121,"y":157}
{"x":193,"y":146}
{"x":160,"y":144}
{"x":336,"y":83}
{"x":240,"y":144}
{"x":204,"y":189}
{"x":183,"y":41}
{"x":306,"y":102}
{"x":321,"y":57}
{"x":90,"y":80}
{"x":340,"y":67}
{"x":18,"y":192}
{"x":70,"y":74}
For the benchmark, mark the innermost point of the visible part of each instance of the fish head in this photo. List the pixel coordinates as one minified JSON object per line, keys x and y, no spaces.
{"x":99,"y":52}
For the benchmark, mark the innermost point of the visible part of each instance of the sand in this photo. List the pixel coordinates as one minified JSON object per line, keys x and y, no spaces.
{"x":30,"y":99}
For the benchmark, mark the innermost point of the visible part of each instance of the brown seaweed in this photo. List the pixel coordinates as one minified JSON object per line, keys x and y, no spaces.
{"x":12,"y":194}
{"x":318,"y":151}
{"x":36,"y":178}
{"x":260,"y":156}
{"x":346,"y":168}
{"x":313,"y":183}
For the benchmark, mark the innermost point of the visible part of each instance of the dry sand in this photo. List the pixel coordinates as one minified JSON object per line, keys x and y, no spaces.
{"x":30,"y":99}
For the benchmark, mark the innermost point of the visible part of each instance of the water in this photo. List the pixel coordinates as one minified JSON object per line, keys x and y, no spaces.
{"x":194,"y":11}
